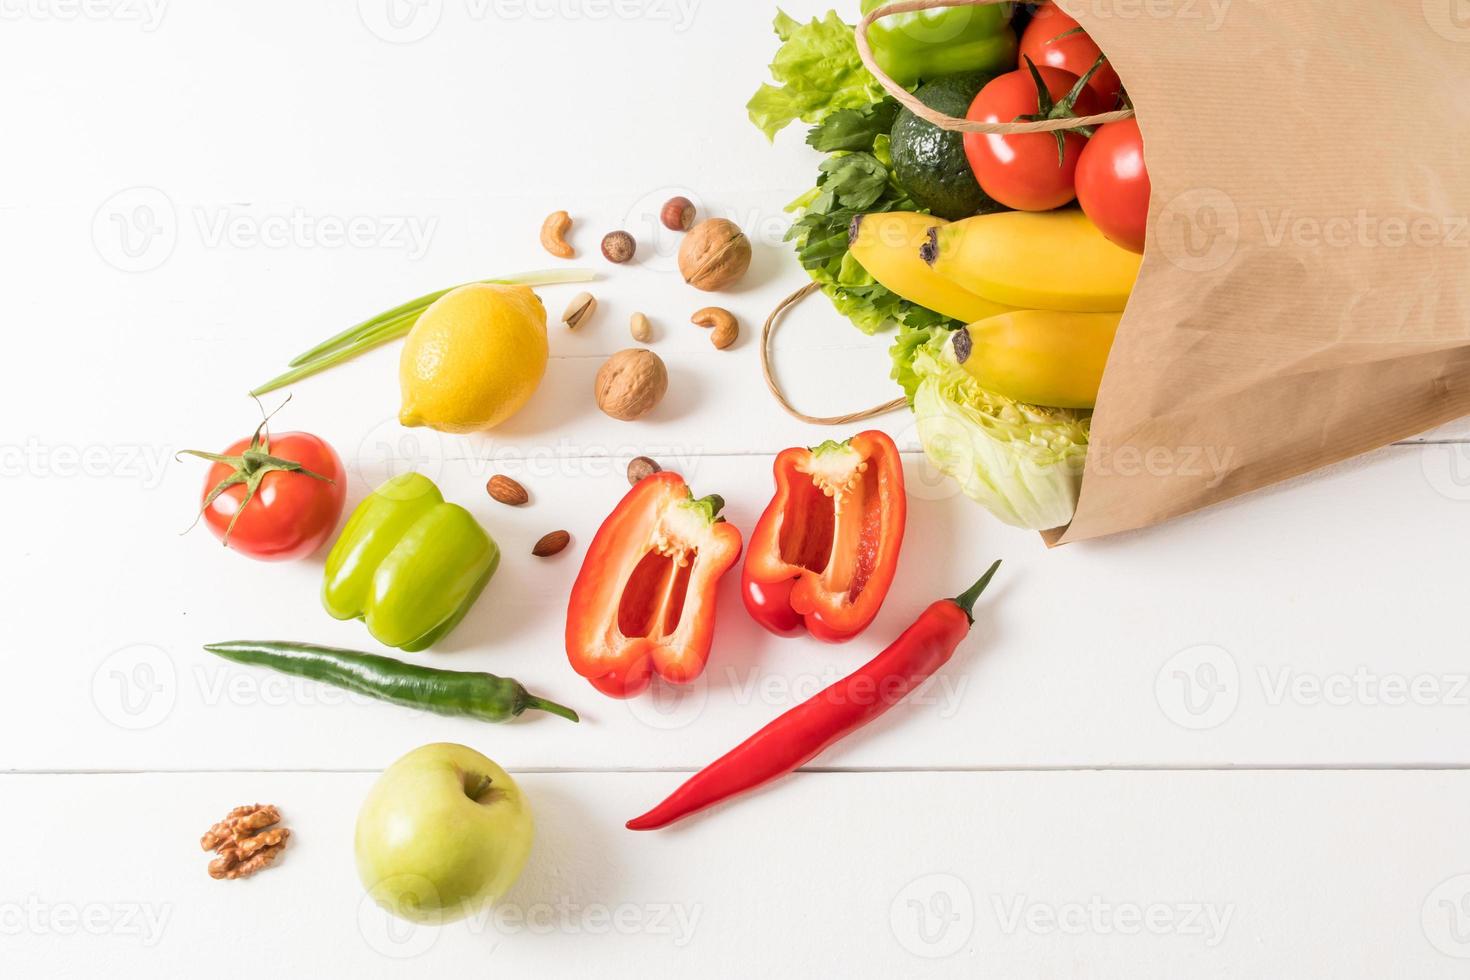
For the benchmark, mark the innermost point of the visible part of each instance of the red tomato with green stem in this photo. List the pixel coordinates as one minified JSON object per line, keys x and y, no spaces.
{"x":1112,"y":184}
{"x":1054,"y":40}
{"x":275,"y":498}
{"x":1033,"y":171}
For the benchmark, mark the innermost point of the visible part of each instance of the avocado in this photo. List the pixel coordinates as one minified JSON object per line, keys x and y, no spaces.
{"x":930,"y":162}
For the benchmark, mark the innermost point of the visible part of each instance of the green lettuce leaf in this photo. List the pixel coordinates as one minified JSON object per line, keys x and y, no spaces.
{"x":818,"y":72}
{"x":1022,"y":462}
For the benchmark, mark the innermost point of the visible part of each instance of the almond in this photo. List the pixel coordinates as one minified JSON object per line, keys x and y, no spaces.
{"x":507,"y":491}
{"x":551,"y":544}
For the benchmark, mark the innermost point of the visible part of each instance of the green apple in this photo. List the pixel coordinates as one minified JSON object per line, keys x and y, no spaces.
{"x":443,"y":832}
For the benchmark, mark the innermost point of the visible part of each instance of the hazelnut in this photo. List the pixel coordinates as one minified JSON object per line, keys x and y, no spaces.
{"x":641,"y":468}
{"x":631,"y":383}
{"x":618,"y":246}
{"x":715,"y":254}
{"x":678,"y":214}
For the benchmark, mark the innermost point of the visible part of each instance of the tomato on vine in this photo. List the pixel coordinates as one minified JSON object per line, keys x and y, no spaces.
{"x":275,"y":498}
{"x":1032,"y":171}
{"x":1055,"y":40}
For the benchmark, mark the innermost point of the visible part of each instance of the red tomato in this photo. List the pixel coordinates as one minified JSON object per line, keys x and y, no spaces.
{"x":1076,"y":53}
{"x":291,"y":513}
{"x":1112,"y":184}
{"x":1023,"y":172}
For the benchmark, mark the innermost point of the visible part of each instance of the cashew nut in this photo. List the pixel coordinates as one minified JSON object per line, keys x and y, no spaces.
{"x":553,"y":235}
{"x":726,"y":327}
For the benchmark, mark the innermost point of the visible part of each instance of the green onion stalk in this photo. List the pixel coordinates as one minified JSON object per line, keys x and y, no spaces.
{"x":395,"y":323}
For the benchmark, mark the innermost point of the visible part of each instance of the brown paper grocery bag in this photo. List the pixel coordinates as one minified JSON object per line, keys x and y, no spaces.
{"x":1305,"y":292}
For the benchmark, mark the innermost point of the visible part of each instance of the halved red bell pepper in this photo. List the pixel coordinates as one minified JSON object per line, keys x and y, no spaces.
{"x":824,"y":553}
{"x":644,"y":600}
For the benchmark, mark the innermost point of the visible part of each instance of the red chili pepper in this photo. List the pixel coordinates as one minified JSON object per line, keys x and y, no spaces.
{"x":644,"y":600}
{"x":824,"y":553}
{"x":799,"y":735}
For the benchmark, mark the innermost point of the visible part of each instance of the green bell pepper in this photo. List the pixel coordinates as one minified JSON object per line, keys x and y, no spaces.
{"x":942,"y":41}
{"x":408,"y":564}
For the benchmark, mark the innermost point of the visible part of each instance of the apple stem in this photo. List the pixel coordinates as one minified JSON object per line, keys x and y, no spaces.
{"x":478,"y":789}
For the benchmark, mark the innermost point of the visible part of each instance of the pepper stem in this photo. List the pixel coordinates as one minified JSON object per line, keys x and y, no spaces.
{"x":966,"y":600}
{"x":541,"y":704}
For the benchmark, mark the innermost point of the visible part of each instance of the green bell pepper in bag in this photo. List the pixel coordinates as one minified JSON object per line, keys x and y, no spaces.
{"x":942,"y":41}
{"x":408,"y":564}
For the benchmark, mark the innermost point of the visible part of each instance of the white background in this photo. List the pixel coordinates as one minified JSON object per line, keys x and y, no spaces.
{"x":1233,"y":746}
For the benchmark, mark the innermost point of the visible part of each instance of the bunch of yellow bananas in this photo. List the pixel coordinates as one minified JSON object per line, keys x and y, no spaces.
{"x":1042,"y":292}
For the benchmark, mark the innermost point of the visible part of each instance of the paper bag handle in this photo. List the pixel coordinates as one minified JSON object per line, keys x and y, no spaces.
{"x":909,"y":102}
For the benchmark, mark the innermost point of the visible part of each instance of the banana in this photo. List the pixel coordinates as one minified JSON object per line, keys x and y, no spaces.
{"x":887,"y":246}
{"x":1041,"y":357}
{"x":1039,"y":260}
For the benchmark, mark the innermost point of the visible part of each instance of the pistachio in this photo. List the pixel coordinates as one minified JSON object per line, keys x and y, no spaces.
{"x":580,"y":310}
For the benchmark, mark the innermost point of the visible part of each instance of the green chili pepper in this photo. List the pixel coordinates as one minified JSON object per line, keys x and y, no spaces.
{"x":445,"y":692}
{"x":408,"y":564}
{"x":942,"y":41}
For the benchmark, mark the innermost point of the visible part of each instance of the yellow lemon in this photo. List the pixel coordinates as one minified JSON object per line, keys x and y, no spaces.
{"x":473,"y":359}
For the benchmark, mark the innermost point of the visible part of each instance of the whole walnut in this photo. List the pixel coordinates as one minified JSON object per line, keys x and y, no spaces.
{"x":715,"y":254}
{"x":631,"y":383}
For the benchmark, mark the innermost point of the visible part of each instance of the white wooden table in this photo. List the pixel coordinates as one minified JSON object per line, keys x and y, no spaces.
{"x":1231,"y":747}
